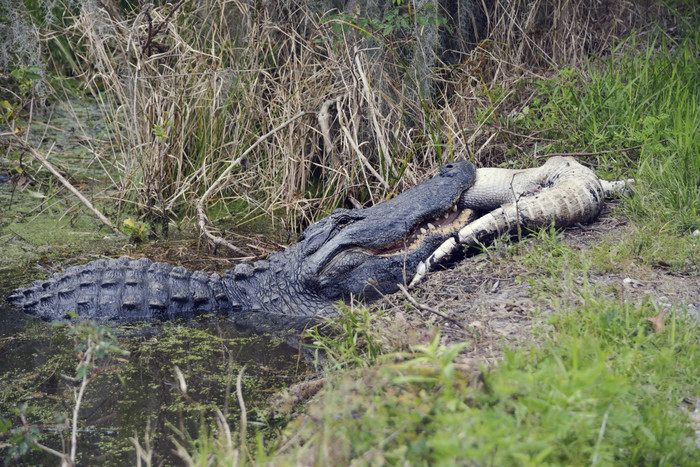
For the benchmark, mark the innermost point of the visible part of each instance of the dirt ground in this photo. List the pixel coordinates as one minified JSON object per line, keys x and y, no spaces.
{"x":490,"y":303}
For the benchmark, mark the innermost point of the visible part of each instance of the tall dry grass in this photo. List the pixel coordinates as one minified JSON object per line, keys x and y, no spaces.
{"x":183,"y":104}
{"x":187,"y":88}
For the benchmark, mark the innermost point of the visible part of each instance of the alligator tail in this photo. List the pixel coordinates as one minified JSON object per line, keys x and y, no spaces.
{"x":124,"y":289}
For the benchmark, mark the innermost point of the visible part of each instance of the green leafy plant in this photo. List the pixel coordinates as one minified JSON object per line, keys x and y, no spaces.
{"x":135,"y":230}
{"x":396,"y":20}
{"x":19,"y":440}
{"x":433,"y":355}
{"x":26,"y":76}
{"x":600,"y":387}
{"x":349,"y":340}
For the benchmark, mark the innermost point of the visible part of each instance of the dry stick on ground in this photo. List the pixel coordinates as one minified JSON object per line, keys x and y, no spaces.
{"x":78,"y":396}
{"x":27,"y":147}
{"x":420,"y":307}
{"x":201,"y":212}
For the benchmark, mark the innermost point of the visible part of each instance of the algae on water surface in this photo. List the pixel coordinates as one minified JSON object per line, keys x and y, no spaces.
{"x":42,"y":229}
{"x":125,"y":395}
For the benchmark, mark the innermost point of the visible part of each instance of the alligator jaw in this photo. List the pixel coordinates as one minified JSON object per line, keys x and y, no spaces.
{"x":393,"y":223}
{"x":369,"y":272}
{"x":445,"y":224}
{"x":415,"y":234}
{"x":430,"y":230}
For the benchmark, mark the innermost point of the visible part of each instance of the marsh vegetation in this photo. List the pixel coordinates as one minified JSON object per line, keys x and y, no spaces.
{"x":191,"y":125}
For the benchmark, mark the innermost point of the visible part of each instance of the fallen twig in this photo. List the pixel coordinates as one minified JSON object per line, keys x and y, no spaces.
{"x":241,"y":402}
{"x":658,"y":321}
{"x":27,"y":147}
{"x":420,"y":307}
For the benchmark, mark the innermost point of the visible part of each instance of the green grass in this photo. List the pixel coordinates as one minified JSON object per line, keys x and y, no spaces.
{"x":352,"y":341}
{"x":651,"y":245}
{"x":601,"y":389}
{"x":643,"y":106}
{"x":598,"y":386}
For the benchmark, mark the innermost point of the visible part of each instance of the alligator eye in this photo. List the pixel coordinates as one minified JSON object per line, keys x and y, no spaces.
{"x":446,"y":170}
{"x":342,"y":221}
{"x":339,"y":224}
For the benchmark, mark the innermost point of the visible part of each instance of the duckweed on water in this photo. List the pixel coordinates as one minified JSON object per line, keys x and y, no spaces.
{"x":127,"y":394}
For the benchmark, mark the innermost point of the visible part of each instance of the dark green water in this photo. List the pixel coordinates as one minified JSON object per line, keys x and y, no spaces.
{"x":43,"y":228}
{"x":127,"y":394}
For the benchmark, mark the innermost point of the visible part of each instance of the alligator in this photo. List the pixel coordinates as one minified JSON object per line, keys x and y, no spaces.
{"x":561,"y":192}
{"x":352,"y":254}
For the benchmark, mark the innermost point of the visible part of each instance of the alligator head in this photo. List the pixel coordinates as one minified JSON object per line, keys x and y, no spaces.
{"x":365,"y":253}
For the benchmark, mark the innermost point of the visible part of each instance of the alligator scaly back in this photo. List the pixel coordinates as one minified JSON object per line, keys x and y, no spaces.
{"x":125,"y":289}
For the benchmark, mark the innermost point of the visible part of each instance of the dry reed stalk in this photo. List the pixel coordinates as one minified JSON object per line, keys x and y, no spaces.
{"x":161,"y":98}
{"x":68,"y":185}
{"x":563,"y":32}
{"x":187,"y":102}
{"x":202,"y":217}
{"x":167,"y":92}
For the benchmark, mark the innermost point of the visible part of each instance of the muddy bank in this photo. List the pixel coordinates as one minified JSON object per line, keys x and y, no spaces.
{"x":497,"y":299}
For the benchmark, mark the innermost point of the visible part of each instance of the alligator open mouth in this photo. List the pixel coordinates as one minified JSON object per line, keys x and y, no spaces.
{"x":446,"y":223}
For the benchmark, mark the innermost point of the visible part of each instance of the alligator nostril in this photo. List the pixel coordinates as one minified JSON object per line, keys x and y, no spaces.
{"x":448,"y":166}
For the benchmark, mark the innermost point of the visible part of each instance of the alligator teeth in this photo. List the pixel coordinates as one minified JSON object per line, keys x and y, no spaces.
{"x":454,"y":208}
{"x":431,"y":226}
{"x":447,"y":214}
{"x":423,"y":231}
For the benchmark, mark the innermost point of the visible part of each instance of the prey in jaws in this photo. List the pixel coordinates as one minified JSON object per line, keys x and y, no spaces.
{"x":561,"y":191}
